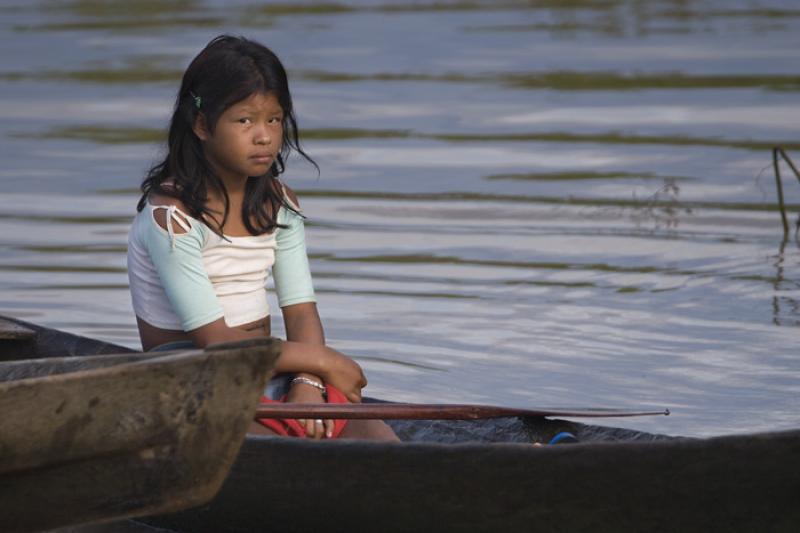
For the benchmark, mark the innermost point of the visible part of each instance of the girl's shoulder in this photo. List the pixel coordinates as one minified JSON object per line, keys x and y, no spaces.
{"x":164,"y":206}
{"x":289,"y":195}
{"x":289,"y":212}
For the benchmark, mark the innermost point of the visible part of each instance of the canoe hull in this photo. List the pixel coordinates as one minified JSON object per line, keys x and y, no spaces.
{"x":739,"y":483}
{"x":112,"y":436}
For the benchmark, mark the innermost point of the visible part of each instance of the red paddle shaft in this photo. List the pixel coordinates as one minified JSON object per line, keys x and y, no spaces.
{"x":411,"y":411}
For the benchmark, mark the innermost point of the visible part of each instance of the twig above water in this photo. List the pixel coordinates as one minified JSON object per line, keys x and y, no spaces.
{"x":777,"y":153}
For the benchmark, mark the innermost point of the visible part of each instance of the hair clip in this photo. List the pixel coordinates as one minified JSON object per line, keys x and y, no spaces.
{"x":197,"y":100}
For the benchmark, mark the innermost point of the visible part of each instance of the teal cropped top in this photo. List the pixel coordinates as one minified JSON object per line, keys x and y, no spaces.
{"x":183,"y":280}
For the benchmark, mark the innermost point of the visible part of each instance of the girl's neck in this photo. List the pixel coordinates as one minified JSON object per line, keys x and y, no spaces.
{"x":234,"y":186}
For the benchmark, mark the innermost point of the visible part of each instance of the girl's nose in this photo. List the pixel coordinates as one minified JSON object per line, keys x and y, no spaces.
{"x":262,"y":137}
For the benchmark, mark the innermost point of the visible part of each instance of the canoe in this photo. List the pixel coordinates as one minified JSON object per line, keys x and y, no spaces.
{"x":486,"y":476}
{"x":86,"y":439}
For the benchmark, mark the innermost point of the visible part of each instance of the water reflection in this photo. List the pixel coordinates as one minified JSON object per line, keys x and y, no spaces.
{"x":786,"y":295}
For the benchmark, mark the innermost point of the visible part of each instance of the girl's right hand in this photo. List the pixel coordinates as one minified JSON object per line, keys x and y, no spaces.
{"x":344,"y":374}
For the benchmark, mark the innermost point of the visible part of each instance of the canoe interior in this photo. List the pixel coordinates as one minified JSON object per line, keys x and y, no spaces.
{"x":102,"y":437}
{"x":740,"y":483}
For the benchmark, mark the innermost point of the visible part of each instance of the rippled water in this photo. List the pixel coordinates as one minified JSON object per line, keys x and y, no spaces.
{"x":530,"y":203}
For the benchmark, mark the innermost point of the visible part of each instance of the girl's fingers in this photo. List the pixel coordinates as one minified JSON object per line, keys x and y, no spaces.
{"x":319,"y":429}
{"x":308,"y":425}
{"x":354,"y":396}
{"x":315,"y":429}
{"x":329,"y":428}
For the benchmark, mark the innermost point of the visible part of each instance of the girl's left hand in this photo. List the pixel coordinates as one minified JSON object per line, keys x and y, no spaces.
{"x":302,"y":393}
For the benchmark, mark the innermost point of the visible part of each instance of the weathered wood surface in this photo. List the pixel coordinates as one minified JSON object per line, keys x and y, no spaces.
{"x":740,"y":483}
{"x":94,"y":438}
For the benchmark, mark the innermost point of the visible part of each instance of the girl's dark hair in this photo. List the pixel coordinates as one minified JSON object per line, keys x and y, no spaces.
{"x":228,"y":70}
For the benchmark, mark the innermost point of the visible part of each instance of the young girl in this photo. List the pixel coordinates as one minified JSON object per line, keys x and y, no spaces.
{"x":213,"y":219}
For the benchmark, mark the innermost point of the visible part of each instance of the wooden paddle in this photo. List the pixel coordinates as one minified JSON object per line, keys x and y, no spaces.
{"x":416,"y":411}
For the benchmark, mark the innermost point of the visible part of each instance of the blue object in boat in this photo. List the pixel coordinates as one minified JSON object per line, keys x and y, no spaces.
{"x":565,"y":437}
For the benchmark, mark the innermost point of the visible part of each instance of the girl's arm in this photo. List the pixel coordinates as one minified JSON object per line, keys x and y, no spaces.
{"x":295,"y":293}
{"x":304,"y":325}
{"x":316,"y":359}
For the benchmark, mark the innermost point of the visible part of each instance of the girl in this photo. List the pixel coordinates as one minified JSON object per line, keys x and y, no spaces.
{"x":214,"y":217}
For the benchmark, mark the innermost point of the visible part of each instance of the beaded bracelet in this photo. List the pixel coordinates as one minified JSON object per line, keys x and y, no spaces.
{"x":306,"y":381}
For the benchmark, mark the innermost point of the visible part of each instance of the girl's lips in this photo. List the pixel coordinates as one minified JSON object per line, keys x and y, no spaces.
{"x":262,"y":158}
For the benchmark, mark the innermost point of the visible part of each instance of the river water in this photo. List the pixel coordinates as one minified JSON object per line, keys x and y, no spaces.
{"x":529,"y":203}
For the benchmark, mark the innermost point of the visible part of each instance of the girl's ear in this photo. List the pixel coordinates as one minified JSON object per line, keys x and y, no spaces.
{"x":200,"y":127}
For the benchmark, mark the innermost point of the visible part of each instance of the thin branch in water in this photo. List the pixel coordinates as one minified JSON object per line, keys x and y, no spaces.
{"x":789,"y":162}
{"x":792,"y":166}
{"x":776,"y":165}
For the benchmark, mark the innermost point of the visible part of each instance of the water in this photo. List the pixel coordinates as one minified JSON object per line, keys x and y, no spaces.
{"x":525,"y":203}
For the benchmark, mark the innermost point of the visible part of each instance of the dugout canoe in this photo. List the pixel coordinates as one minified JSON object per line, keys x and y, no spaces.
{"x":486,"y":476}
{"x":86,"y":439}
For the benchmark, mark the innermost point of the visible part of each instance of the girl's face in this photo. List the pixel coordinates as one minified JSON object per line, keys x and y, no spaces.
{"x":247,"y":138}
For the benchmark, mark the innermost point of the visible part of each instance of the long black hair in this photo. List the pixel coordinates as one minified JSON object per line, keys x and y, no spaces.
{"x":228,"y":70}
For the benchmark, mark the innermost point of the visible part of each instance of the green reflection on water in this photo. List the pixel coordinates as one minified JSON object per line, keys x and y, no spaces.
{"x":624,"y":290}
{"x":576,"y":81}
{"x":612,"y":17}
{"x":614,"y":137}
{"x":539,"y":283}
{"x":323,"y":8}
{"x":125,"y":24}
{"x":669,"y":9}
{"x":152,"y":14}
{"x":125,"y":135}
{"x":581,"y":81}
{"x":334,"y":8}
{"x":101,"y":134}
{"x":346,"y":134}
{"x":125,"y":15}
{"x":141,"y":72}
{"x":562,"y":27}
{"x":130,"y":75}
{"x":121,"y":8}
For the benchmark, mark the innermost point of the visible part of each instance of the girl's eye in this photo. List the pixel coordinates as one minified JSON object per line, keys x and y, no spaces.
{"x":245,"y":120}
{"x":275,"y":120}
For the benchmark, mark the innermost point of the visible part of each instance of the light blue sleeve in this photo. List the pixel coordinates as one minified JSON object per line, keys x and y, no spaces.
{"x":179,"y":263}
{"x":291,"y":271}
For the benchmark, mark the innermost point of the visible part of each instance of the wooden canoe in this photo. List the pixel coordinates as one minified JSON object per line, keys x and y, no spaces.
{"x":486,"y":476}
{"x":86,"y":439}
